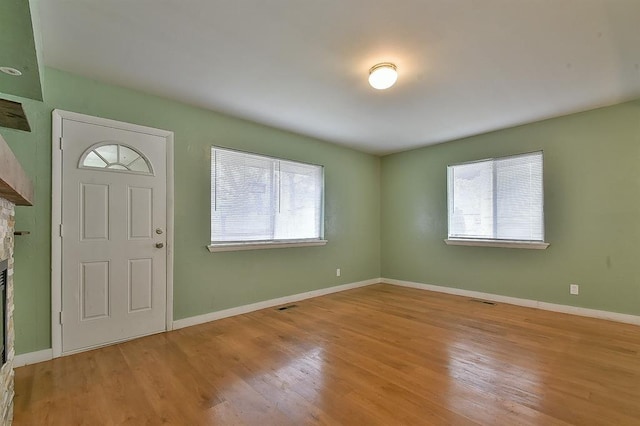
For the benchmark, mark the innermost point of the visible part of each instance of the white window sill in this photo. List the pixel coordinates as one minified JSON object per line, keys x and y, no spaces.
{"x":258,"y":245}
{"x":534,"y":245}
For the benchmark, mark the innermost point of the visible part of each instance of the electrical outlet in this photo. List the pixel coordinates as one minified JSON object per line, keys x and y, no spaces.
{"x":574,"y":289}
{"x":338,"y":272}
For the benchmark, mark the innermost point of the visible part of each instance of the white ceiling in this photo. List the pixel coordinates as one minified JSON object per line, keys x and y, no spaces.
{"x":465,"y":66}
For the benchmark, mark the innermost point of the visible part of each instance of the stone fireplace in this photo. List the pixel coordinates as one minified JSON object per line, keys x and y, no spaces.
{"x":15,"y":189}
{"x":6,"y":257}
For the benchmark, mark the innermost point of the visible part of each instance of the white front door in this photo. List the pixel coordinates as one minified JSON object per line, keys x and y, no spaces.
{"x":114,"y":227}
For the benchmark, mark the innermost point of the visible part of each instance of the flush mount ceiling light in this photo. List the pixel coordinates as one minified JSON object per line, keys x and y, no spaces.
{"x":10,"y":71}
{"x":383,"y":75}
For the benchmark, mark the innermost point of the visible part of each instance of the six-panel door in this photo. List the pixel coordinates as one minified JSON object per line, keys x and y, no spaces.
{"x":114,"y":223}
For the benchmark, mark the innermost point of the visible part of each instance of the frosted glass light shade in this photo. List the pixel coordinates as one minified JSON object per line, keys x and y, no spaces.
{"x":382,"y":76}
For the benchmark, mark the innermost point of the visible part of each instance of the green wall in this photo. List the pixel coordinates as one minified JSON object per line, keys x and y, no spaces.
{"x":592,"y":214}
{"x":592,"y":210}
{"x":203,"y":282}
{"x":18,"y":49}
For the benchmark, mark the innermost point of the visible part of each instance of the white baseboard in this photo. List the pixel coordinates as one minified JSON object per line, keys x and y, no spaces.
{"x":565,"y":309}
{"x":213,"y":316}
{"x":47,"y":354}
{"x":32,"y":357}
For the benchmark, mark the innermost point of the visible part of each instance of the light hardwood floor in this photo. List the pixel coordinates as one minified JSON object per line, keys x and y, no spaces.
{"x":375,"y":355}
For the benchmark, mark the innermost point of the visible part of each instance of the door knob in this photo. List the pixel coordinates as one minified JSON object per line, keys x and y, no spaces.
{"x":159,"y":231}
{"x":159,"y":245}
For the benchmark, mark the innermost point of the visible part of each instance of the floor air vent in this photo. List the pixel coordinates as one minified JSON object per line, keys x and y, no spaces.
{"x":284,"y":308}
{"x":486,"y":302}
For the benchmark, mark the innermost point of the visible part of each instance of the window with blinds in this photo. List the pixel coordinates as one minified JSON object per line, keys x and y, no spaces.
{"x":497,"y":199}
{"x":255,"y":198}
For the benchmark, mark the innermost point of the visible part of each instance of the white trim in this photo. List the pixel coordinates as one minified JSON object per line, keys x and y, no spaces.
{"x":554,"y":307}
{"x":56,"y":240}
{"x":48,"y":354}
{"x":536,"y":245}
{"x":213,"y":316}
{"x":32,"y":358}
{"x":170,"y":230}
{"x":252,"y":245}
{"x":56,"y":213}
{"x":59,"y":114}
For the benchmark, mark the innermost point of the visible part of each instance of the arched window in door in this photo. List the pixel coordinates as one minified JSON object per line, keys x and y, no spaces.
{"x":115,"y":157}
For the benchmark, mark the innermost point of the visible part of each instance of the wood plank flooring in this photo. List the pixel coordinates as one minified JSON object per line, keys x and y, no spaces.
{"x":375,"y":355}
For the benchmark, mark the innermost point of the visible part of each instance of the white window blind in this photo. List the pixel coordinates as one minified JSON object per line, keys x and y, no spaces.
{"x":497,"y":199}
{"x":255,"y":198}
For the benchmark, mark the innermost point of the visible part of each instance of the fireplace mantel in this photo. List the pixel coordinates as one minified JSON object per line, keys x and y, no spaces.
{"x":15,"y":186}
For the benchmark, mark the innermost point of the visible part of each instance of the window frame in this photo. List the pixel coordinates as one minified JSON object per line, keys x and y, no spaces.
{"x":108,"y":165}
{"x":222,"y":246}
{"x":495,"y":242}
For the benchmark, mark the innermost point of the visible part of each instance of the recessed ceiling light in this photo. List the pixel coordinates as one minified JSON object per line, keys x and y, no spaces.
{"x":11,"y":71}
{"x":383,"y":75}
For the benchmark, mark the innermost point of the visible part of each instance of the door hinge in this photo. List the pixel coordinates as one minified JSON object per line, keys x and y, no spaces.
{"x":60,"y":143}
{"x":60,"y":317}
{"x":60,"y":230}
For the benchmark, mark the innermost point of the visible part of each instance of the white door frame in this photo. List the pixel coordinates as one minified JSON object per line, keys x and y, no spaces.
{"x":56,"y":214}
